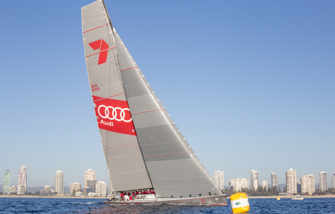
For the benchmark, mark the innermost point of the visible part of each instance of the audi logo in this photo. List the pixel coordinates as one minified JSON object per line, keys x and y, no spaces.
{"x":112,"y":113}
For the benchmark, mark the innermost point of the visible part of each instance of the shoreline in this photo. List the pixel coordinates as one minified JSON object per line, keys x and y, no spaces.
{"x":100,"y":197}
{"x":293,"y":196}
{"x":68,"y":197}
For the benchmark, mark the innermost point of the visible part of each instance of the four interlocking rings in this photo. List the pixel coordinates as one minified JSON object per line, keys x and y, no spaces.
{"x":114,"y":113}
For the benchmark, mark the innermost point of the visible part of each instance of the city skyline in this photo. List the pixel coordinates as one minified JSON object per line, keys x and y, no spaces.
{"x":267,"y":66}
{"x":90,"y":177}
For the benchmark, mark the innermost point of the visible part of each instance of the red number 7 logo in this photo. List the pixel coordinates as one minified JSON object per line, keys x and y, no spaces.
{"x":103,"y":47}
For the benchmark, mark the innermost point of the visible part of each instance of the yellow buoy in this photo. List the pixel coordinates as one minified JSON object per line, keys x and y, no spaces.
{"x":278,"y":198}
{"x":239,"y":202}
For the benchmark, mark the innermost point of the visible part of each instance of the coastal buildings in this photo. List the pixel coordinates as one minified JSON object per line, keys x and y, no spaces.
{"x":333,"y":181}
{"x":253,"y":179}
{"x":274,"y":180}
{"x":291,"y":181}
{"x":48,"y":190}
{"x":218,"y":179}
{"x":89,"y":175}
{"x":307,"y":184}
{"x":6,"y":183}
{"x":13,"y":189}
{"x":238,"y":183}
{"x":22,"y":181}
{"x":74,"y":188}
{"x":323,"y":181}
{"x":59,"y":188}
{"x":100,"y":188}
{"x":265,"y":185}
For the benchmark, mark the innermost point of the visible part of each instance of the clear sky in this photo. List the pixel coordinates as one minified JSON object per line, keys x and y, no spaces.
{"x":250,"y":84}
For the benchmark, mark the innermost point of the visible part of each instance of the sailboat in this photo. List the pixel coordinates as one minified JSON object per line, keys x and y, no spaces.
{"x":143,"y":147}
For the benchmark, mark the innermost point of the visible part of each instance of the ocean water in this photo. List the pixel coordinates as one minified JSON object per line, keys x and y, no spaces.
{"x":63,"y":205}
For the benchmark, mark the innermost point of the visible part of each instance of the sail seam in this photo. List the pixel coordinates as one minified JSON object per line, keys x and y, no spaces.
{"x":169,"y":154}
{"x":148,"y":111}
{"x":129,"y":68}
{"x":100,"y":52}
{"x":94,"y":28}
{"x":108,"y":97}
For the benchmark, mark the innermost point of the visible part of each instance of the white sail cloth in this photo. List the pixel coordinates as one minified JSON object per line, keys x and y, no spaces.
{"x":170,"y":165}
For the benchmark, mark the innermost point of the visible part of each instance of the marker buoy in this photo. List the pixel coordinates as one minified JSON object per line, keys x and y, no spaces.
{"x":278,"y":198}
{"x":239,"y":202}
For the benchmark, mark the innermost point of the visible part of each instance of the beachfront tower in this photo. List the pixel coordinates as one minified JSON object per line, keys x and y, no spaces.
{"x":22,"y":181}
{"x":253,"y":179}
{"x":59,"y":188}
{"x":89,"y":175}
{"x":274,"y":180}
{"x":6,"y":183}
{"x":323,"y":181}
{"x":307,"y":184}
{"x":218,"y":179}
{"x":291,"y":181}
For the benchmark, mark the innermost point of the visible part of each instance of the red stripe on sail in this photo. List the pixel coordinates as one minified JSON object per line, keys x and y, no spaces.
{"x":94,"y":28}
{"x":100,"y":52}
{"x":129,"y":68}
{"x":149,"y":111}
{"x":168,"y":154}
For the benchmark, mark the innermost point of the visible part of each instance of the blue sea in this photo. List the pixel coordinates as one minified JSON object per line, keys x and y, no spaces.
{"x":63,"y":205}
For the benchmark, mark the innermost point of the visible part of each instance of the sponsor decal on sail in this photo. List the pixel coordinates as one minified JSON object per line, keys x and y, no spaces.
{"x":103,"y":47}
{"x":113,"y":115}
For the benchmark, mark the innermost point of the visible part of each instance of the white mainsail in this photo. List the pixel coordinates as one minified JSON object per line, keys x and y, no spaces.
{"x":146,"y":129}
{"x":123,"y":156}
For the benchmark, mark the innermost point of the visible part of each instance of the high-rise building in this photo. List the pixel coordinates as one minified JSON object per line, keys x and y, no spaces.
{"x":59,"y":188}
{"x":253,"y":179}
{"x":298,"y":186}
{"x":75,"y":187}
{"x":239,"y":183}
{"x":274,"y":180}
{"x":265,"y":185}
{"x":218,"y":179}
{"x":291,"y":181}
{"x":91,"y":185}
{"x":89,"y":175}
{"x":323,"y":181}
{"x":6,"y":183}
{"x":333,"y":181}
{"x":100,"y":188}
{"x":22,"y":181}
{"x":307,"y":184}
{"x":13,"y":189}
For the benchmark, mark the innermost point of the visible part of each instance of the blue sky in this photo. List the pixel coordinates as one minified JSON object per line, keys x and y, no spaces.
{"x":250,"y":84}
